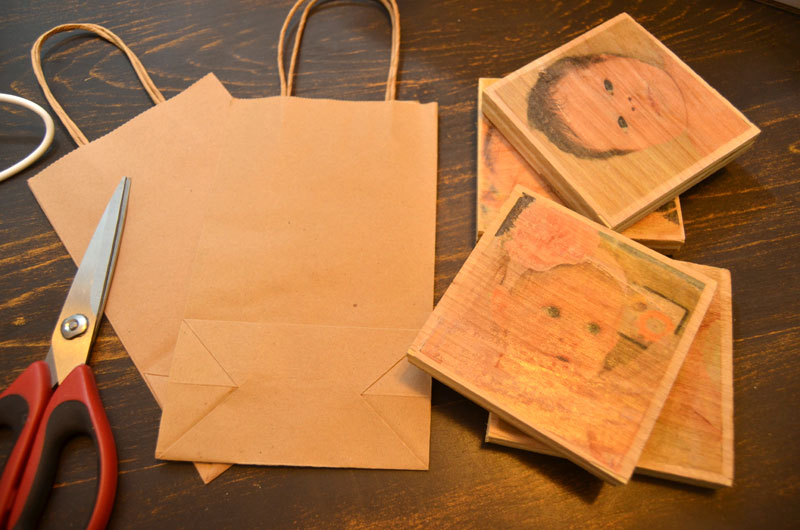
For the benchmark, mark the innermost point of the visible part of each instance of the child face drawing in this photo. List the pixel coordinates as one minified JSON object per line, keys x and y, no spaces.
{"x":620,"y":103}
{"x":560,"y":309}
{"x":565,"y":318}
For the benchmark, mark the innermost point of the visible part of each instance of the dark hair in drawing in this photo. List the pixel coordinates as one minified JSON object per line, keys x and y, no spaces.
{"x":544,"y":113}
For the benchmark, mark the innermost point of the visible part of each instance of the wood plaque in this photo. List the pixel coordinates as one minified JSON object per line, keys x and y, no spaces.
{"x":501,"y":167}
{"x":692,"y":440}
{"x":616,"y":122}
{"x":567,"y":330}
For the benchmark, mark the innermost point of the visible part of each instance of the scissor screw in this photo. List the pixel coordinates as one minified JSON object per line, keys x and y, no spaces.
{"x":74,"y":326}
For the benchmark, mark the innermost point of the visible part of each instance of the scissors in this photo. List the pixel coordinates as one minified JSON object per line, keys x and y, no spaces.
{"x":44,"y":419}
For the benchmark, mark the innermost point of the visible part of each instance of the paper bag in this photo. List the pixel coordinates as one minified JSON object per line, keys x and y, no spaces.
{"x":313,"y":272}
{"x":169,"y":152}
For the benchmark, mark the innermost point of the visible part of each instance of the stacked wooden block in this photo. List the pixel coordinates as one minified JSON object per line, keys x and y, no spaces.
{"x":580,"y":340}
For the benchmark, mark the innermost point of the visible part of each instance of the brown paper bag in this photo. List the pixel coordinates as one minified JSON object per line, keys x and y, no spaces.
{"x":313,"y":273}
{"x":170,"y":153}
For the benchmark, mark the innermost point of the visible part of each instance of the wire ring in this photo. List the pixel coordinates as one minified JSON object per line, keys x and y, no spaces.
{"x":46,"y":141}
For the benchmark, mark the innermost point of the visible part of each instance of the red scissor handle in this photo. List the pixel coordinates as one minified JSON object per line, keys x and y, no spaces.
{"x":74,"y":408}
{"x":21,"y":409}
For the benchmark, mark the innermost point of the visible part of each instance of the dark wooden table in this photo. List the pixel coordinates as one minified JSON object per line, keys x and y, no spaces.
{"x":744,"y":217}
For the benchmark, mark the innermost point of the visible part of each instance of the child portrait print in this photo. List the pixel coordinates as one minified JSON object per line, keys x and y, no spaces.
{"x":552,"y":316}
{"x":619,"y":123}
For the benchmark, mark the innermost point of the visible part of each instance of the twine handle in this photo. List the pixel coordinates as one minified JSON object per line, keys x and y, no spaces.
{"x":106,"y":34}
{"x":287,"y":81}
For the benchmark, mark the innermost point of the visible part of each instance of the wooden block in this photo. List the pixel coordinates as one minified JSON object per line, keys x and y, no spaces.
{"x":692,"y":440}
{"x":617,"y":123}
{"x":567,"y":330}
{"x":501,"y":167}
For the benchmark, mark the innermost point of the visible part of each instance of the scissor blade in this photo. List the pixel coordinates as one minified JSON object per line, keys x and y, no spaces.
{"x":83,"y":309}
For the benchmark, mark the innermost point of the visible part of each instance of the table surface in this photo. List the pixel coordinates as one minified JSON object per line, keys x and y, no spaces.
{"x":744,"y":217}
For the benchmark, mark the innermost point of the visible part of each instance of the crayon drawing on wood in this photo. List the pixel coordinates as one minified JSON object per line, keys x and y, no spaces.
{"x":692,"y":440}
{"x":567,"y":330}
{"x":617,"y":123}
{"x":501,"y":167}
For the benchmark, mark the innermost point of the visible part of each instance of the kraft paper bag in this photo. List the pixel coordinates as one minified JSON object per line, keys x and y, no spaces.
{"x":313,"y":273}
{"x":169,"y":152}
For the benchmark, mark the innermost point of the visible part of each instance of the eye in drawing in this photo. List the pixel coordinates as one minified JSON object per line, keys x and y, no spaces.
{"x":622,"y":123}
{"x":593,"y":328}
{"x":552,"y":311}
{"x":608,"y":86}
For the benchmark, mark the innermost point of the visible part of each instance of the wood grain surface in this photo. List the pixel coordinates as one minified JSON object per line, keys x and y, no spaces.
{"x":744,"y":218}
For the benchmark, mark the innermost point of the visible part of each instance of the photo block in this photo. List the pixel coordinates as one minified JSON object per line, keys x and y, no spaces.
{"x":617,"y":123}
{"x":501,"y":167}
{"x":692,"y":440}
{"x":569,"y":331}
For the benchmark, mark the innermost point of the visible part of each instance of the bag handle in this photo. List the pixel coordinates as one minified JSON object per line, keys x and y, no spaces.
{"x":288,"y":80}
{"x":106,"y":34}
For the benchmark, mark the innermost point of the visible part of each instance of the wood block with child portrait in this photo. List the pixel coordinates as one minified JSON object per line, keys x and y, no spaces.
{"x":692,"y":440}
{"x":617,"y":123}
{"x":501,"y":167}
{"x":567,"y":330}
